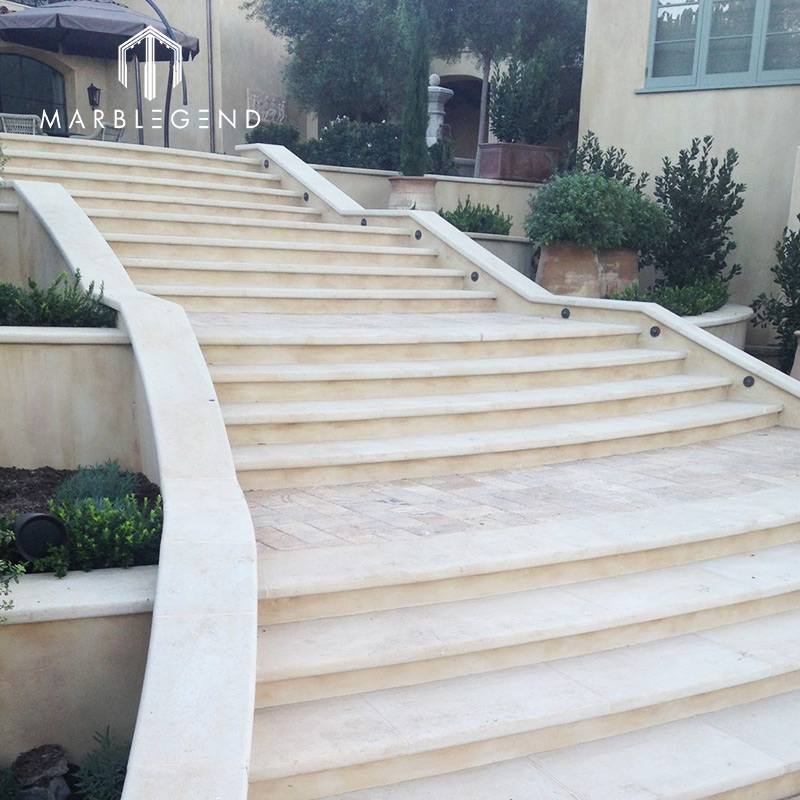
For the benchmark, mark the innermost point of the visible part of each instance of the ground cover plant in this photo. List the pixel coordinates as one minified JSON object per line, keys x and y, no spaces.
{"x":478,"y":218}
{"x":65,"y":303}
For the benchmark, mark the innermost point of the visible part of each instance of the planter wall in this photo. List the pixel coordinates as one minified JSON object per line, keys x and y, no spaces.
{"x":514,"y":250}
{"x":566,"y":268}
{"x":729,"y":323}
{"x":507,"y":161}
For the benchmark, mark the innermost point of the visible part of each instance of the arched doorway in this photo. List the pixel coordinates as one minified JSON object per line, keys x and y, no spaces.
{"x":28,"y":86}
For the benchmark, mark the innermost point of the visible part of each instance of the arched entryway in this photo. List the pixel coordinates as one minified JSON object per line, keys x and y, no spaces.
{"x":28,"y":86}
{"x":462,"y":111}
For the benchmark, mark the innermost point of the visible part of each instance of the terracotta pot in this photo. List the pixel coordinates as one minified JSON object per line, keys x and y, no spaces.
{"x":567,"y":268}
{"x":415,"y":192}
{"x":507,"y":161}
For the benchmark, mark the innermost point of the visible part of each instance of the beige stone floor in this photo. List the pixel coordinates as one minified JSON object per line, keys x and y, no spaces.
{"x":287,"y":519}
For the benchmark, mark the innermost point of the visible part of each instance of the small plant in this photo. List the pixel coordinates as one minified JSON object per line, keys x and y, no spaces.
{"x":274,"y":133}
{"x":783,"y":311}
{"x":96,"y":482}
{"x":685,"y":301}
{"x":526,"y":100}
{"x":478,"y":218}
{"x":590,"y":157}
{"x":62,"y":304}
{"x":105,"y":533}
{"x":102,"y":774}
{"x":9,"y":786}
{"x":700,"y":198}
{"x":9,"y":572}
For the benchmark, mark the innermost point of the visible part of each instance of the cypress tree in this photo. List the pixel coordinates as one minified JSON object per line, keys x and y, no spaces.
{"x":413,"y":146}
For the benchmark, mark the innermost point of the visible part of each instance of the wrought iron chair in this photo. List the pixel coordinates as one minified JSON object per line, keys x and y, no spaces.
{"x":105,"y":134}
{"x":21,"y":123}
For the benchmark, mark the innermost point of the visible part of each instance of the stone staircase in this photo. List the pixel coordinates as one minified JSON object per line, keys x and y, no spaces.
{"x":626,"y":655}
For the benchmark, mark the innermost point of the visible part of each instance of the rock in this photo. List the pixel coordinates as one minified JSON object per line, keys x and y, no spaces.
{"x":35,"y":766}
{"x":35,"y":793}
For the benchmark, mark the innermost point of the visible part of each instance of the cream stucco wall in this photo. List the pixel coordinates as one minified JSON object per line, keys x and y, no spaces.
{"x":762,"y":124}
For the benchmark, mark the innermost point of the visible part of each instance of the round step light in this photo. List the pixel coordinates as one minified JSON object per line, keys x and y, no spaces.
{"x":35,"y":533}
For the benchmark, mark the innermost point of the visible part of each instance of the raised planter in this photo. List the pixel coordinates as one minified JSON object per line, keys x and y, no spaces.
{"x":567,"y":268}
{"x":413,"y":192}
{"x":728,"y":323}
{"x":514,"y":250}
{"x":511,"y":161}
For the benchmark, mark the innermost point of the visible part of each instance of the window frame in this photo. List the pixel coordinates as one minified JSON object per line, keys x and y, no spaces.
{"x":755,"y":75}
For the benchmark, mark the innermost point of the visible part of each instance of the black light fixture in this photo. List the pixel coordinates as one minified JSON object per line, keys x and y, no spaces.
{"x":35,"y":534}
{"x":94,"y":95}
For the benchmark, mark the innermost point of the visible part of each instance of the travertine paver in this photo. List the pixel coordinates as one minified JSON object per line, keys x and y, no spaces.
{"x":287,"y":519}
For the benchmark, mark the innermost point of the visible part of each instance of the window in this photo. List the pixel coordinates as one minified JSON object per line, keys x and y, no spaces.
{"x":28,"y":86}
{"x":707,"y":44}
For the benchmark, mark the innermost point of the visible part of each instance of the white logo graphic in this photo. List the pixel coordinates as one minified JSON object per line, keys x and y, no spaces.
{"x":150,"y":36}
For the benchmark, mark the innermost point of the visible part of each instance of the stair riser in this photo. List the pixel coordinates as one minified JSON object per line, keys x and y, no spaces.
{"x":290,"y":209}
{"x":277,"y":305}
{"x":482,"y":659}
{"x":358,"y":236}
{"x":780,"y":788}
{"x":517,"y":745}
{"x":485,"y":462}
{"x":147,"y":188}
{"x":425,"y":351}
{"x":277,"y":253}
{"x":243,"y":178}
{"x":279,"y":610}
{"x":280,"y":391}
{"x":457,"y":422}
{"x":289,"y":280}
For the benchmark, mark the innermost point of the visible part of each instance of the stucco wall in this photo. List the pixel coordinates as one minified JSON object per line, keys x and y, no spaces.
{"x":794,"y":208}
{"x":762,"y":124}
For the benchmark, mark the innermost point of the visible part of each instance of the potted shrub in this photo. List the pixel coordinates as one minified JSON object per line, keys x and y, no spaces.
{"x":525,"y":112}
{"x":591,"y":229}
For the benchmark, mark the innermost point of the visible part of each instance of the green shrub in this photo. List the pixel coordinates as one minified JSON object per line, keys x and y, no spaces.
{"x":9,"y":571}
{"x":62,"y":304}
{"x":345,"y":143}
{"x":527,"y":99}
{"x":706,"y":295}
{"x":9,"y":786}
{"x":478,"y":218}
{"x":783,"y":311}
{"x":274,"y":133}
{"x":700,"y":199}
{"x":590,"y":157}
{"x":646,"y":227}
{"x":105,"y":533}
{"x":97,"y":481}
{"x":102,"y":774}
{"x":442,"y":157}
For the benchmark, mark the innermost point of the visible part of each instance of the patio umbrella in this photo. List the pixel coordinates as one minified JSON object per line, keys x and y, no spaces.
{"x":96,"y":28}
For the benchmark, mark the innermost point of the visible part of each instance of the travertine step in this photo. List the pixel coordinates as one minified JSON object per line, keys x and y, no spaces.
{"x":131,"y":184}
{"x":314,"y":276}
{"x":182,"y":204}
{"x":381,"y":338}
{"x":264,"y":229}
{"x":317,"y":421}
{"x":270,"y":466}
{"x":259,"y":250}
{"x":327,"y":582}
{"x":247,"y":383}
{"x":317,"y":748}
{"x":323,"y":301}
{"x":332,"y":656}
{"x":245,"y":173}
{"x":739,"y":753}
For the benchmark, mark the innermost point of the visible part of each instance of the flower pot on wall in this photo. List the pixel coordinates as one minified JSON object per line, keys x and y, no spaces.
{"x":571,"y":269}
{"x":507,"y":161}
{"x":418,"y":193}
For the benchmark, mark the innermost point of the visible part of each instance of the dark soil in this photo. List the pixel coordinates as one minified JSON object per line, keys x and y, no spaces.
{"x":23,"y":490}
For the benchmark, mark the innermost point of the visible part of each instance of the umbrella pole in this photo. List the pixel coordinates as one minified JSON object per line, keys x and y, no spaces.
{"x":139,"y":110}
{"x":168,"y":100}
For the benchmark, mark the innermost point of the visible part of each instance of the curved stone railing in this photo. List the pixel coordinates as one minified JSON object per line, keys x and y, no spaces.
{"x":516,"y":293}
{"x":194,"y":725}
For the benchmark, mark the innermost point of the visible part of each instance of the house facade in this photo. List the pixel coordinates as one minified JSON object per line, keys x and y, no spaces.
{"x":659,"y":72}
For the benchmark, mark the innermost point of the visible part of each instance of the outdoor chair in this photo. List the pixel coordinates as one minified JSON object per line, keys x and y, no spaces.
{"x":21,"y":123}
{"x":108,"y":135}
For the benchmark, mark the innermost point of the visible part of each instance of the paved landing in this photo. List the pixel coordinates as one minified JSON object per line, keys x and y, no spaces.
{"x":372,"y":512}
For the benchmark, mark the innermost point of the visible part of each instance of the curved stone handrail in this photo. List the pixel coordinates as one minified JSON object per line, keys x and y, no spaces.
{"x":194,"y":725}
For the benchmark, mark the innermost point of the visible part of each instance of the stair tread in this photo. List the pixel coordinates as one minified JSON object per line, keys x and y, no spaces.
{"x":408,"y":635}
{"x":210,"y":290}
{"x":325,"y":734}
{"x":294,"y":573}
{"x":472,"y":403}
{"x":389,"y":370}
{"x":396,"y":328}
{"x":689,"y":759}
{"x":406,"y":448}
